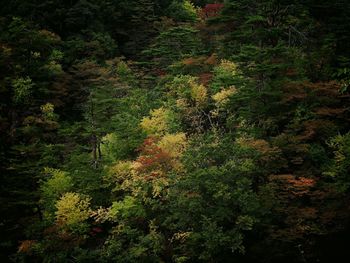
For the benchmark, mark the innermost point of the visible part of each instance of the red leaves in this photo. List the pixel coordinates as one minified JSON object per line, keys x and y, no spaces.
{"x":96,"y":230}
{"x":211,"y":10}
{"x":160,"y":72}
{"x":152,"y":157}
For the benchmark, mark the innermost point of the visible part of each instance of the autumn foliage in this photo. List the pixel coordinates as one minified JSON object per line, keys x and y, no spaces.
{"x":211,"y":10}
{"x":174,"y":131}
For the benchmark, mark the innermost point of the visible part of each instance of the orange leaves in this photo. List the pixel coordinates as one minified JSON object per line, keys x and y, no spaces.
{"x":291,"y":72}
{"x":292,"y":186}
{"x":300,"y":186}
{"x":330,"y":100}
{"x":193,"y":61}
{"x":160,"y":155}
{"x":329,"y":89}
{"x":316,"y":128}
{"x":205,"y":78}
{"x":299,"y":91}
{"x":281,"y":177}
{"x":267,"y":152}
{"x":212,"y":60}
{"x":152,"y":158}
{"x":260,"y":145}
{"x":26,"y":246}
{"x":302,"y":182}
{"x":298,"y":218}
{"x":306,"y":207}
{"x":318,"y":109}
{"x":328,"y":112}
{"x":293,"y":91}
{"x":196,"y":65}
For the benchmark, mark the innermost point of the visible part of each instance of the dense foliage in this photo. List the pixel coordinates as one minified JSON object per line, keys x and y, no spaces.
{"x":174,"y":131}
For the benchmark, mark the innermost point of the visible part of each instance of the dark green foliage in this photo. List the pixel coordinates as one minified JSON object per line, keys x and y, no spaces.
{"x":174,"y":131}
{"x":182,"y":11}
{"x":174,"y":44}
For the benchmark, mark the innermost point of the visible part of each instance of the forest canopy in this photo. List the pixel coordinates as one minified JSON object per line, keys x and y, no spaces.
{"x":174,"y":131}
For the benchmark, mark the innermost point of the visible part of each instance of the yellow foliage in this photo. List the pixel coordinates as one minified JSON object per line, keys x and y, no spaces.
{"x":181,"y":236}
{"x":173,"y":144}
{"x":49,"y":35}
{"x":198,"y":94}
{"x":101,"y":214}
{"x":188,"y":91}
{"x":223,"y":96}
{"x":72,"y":209}
{"x":182,"y":103}
{"x":148,"y":173}
{"x":228,"y":66}
{"x":121,"y":169}
{"x":5,"y":50}
{"x":157,"y":123}
{"x":48,"y":110}
{"x":159,"y":186}
{"x":121,"y":175}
